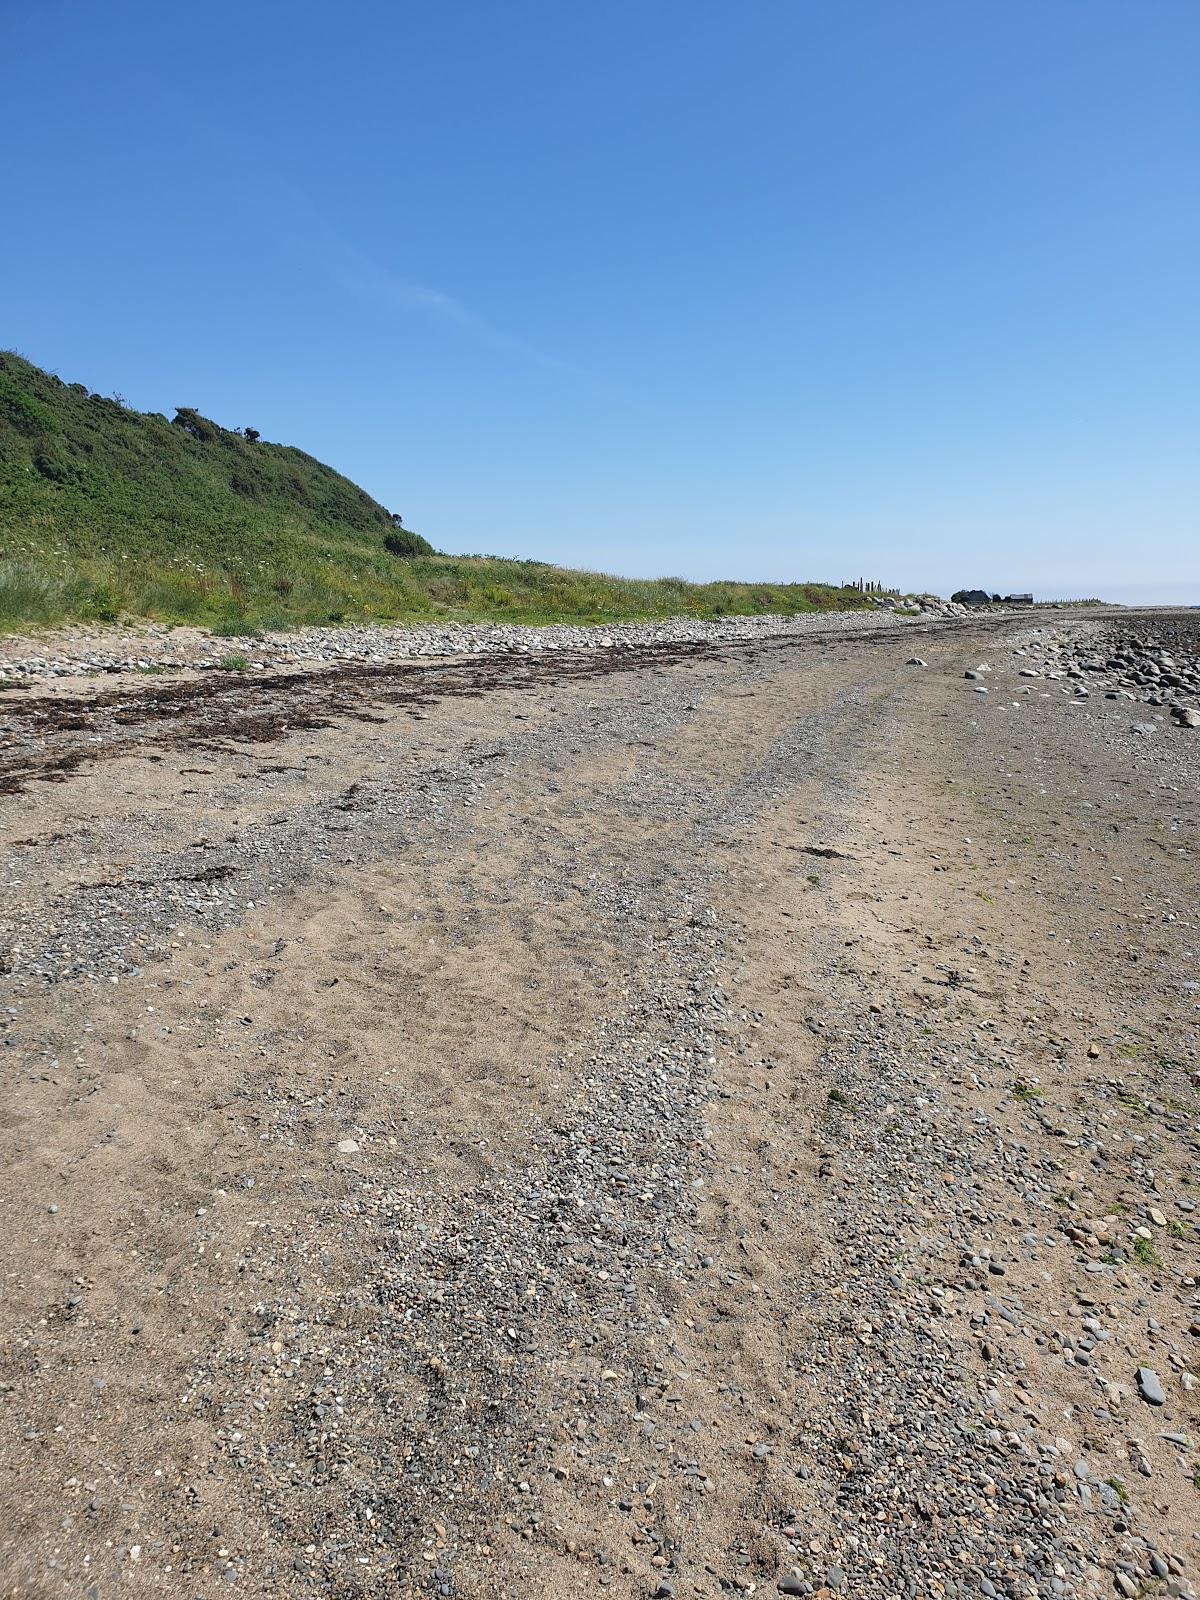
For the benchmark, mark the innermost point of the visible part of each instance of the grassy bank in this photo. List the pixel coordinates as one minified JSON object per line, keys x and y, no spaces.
{"x":288,"y":592}
{"x":107,"y":512}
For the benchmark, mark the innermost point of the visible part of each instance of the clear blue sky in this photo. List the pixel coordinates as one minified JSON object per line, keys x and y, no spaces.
{"x":760,"y":288}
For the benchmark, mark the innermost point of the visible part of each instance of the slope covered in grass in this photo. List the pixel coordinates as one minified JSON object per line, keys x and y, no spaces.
{"x":105,"y":511}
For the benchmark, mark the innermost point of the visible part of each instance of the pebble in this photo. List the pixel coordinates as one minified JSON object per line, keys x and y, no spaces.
{"x":1150,"y":1387}
{"x":84,"y":651}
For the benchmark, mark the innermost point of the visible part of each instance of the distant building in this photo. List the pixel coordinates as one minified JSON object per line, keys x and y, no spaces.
{"x":980,"y":597}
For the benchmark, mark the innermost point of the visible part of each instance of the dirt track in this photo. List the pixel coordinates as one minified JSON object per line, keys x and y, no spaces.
{"x":659,"y":1121}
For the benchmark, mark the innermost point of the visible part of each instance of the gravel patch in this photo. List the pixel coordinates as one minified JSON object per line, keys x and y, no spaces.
{"x":86,"y":652}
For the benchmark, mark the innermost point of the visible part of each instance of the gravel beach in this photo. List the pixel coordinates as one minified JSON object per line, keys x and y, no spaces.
{"x":665,"y":1112}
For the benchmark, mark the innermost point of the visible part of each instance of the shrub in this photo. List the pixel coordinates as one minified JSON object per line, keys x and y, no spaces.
{"x":103,"y":604}
{"x":199,"y":427}
{"x":49,"y":464}
{"x":403,"y":542}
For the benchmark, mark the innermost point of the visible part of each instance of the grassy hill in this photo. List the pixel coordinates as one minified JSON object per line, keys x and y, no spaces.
{"x":107,"y":512}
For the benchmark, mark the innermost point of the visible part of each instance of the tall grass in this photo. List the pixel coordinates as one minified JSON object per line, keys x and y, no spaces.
{"x":462,"y":588}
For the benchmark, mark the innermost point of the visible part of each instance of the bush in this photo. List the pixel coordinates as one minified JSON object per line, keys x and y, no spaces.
{"x":103,"y":604}
{"x":402,"y":542}
{"x":49,"y":464}
{"x":199,"y":427}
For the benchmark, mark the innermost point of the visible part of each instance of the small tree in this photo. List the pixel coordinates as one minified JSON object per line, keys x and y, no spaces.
{"x":252,"y":434}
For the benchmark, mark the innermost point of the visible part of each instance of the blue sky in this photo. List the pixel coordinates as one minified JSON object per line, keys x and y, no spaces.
{"x":758,"y":289}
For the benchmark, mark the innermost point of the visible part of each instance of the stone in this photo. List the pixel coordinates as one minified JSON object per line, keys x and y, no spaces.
{"x":1150,"y":1387}
{"x":348,"y":1147}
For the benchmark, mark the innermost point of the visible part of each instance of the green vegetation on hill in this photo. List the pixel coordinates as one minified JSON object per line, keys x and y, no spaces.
{"x":106,"y":512}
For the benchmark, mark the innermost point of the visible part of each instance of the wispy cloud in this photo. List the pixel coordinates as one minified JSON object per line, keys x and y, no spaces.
{"x":362,"y":276}
{"x":279,"y":206}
